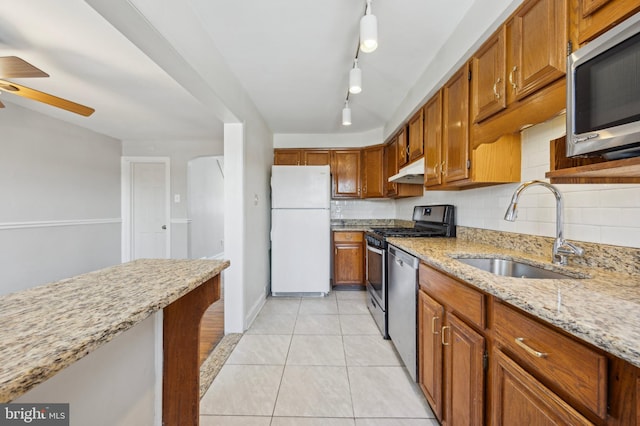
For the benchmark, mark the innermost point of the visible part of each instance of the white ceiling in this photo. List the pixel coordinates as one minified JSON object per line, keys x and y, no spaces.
{"x":291,"y":56}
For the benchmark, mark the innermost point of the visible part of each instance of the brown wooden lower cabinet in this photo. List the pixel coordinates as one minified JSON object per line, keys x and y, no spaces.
{"x":430,"y":316}
{"x":463,"y":373}
{"x":519,"y":399}
{"x":450,"y":353}
{"x":348,"y":258}
{"x":483,"y":361}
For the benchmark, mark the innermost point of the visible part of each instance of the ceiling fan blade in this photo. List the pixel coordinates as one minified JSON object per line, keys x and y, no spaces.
{"x":46,"y":98}
{"x":14,"y":67}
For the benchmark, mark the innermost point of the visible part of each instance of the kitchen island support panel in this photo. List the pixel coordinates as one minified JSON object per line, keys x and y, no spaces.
{"x":181,"y":343}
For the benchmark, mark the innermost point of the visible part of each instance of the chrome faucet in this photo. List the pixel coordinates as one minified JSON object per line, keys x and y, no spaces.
{"x":561,"y":247}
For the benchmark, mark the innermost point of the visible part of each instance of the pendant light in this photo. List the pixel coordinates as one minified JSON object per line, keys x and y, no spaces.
{"x":355,"y":78}
{"x":346,"y":114}
{"x":368,"y":31}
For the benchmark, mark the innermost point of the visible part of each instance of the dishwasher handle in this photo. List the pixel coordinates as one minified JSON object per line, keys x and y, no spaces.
{"x":402,"y":258}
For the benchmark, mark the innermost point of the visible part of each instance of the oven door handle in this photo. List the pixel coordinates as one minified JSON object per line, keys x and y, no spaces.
{"x":375,"y":250}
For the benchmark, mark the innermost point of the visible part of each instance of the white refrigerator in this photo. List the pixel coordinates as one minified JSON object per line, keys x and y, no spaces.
{"x":300,"y":230}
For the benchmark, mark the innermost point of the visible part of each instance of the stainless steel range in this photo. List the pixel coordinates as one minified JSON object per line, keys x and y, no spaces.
{"x":429,"y":221}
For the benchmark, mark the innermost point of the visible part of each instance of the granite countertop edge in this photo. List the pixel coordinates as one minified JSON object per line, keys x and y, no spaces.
{"x":602,"y":309}
{"x":45,"y":330}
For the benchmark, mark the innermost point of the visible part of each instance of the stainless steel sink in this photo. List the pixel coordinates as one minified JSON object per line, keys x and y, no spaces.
{"x":513,"y":268}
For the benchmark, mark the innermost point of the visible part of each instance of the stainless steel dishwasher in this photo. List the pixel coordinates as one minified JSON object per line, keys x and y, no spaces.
{"x":403,"y":285}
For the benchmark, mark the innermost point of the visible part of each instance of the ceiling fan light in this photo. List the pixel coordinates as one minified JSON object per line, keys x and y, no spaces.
{"x":346,"y":115}
{"x":355,"y":79}
{"x":368,"y":31}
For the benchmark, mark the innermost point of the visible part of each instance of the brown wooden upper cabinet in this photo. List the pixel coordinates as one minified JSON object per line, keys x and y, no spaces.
{"x":520,"y":58}
{"x":416,"y":136}
{"x":373,"y":172}
{"x":391,"y":166}
{"x":316,"y":157}
{"x":301,"y":157}
{"x":345,"y":172}
{"x":403,"y":147}
{"x":287,"y":157}
{"x":538,"y":40}
{"x":593,"y":17}
{"x":433,"y":141}
{"x":488,"y":85}
{"x":450,"y":160}
{"x":455,"y":126}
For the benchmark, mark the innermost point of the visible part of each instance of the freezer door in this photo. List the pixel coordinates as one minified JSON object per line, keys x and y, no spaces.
{"x":300,"y":251}
{"x":305,"y":187}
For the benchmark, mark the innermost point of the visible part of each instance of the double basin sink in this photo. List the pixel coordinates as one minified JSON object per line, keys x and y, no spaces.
{"x":516,"y":269}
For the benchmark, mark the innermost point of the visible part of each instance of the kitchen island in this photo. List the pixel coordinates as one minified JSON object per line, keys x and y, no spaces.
{"x":49,"y":328}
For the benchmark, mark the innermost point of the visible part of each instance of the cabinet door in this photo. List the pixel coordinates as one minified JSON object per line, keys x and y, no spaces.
{"x":519,"y":399}
{"x":596,"y":16}
{"x":391,"y":166}
{"x":372,"y":176}
{"x":430,"y":317}
{"x":416,"y":136}
{"x":348,"y":264}
{"x":539,"y":43}
{"x":317,"y":157}
{"x":345,"y":170}
{"x":463,"y":373}
{"x":455,"y":132}
{"x":403,"y":148}
{"x":286,"y":157}
{"x":433,"y":141}
{"x":488,"y":73}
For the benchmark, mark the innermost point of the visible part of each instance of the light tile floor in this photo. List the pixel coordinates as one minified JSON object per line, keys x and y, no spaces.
{"x":314,"y":362}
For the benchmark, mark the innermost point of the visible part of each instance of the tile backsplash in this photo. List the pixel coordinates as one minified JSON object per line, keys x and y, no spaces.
{"x":598,"y":213}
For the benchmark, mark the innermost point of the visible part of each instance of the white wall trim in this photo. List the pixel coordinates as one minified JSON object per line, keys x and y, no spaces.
{"x":125,"y":168}
{"x":54,"y":223}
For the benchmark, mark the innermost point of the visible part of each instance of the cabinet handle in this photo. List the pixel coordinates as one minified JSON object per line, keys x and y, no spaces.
{"x":520,"y":342}
{"x":446,"y":327}
{"x":513,"y":85}
{"x":444,"y":169}
{"x":433,"y":325}
{"x":436,"y":169}
{"x":495,"y":88}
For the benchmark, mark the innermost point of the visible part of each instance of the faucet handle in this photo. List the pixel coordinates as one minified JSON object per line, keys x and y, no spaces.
{"x":567,"y":248}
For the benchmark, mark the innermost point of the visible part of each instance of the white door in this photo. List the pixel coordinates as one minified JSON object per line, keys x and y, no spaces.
{"x":148,"y":201}
{"x":145,"y":206}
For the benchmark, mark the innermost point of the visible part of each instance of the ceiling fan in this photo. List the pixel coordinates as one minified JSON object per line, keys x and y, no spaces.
{"x":14,"y":67}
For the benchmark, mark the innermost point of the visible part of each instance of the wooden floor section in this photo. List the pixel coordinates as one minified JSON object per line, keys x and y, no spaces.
{"x":211,"y":328}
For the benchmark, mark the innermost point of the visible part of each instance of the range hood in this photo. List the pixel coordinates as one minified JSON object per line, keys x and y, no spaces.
{"x":413,"y":173}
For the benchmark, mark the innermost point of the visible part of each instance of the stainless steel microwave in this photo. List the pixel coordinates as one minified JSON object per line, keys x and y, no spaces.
{"x":603,"y":94}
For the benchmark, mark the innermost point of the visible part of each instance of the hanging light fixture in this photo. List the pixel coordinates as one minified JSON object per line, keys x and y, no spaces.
{"x":346,"y":114}
{"x":368,"y":31}
{"x":355,"y":78}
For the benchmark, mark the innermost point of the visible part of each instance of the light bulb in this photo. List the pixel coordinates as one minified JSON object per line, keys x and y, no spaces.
{"x":368,"y":31}
{"x":355,"y":79}
{"x":346,"y":114}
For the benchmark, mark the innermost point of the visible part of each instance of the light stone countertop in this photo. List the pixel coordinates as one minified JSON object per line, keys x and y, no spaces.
{"x":47,"y":328}
{"x":603,"y":309}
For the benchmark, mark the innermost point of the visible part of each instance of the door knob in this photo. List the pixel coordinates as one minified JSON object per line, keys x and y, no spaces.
{"x":164,"y":226}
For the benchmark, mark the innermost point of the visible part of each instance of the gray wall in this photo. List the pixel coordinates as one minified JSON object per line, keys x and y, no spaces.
{"x":179,"y":153}
{"x":60,"y":192}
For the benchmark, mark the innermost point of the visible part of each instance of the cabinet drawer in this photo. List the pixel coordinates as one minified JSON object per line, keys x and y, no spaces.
{"x":460,"y":298}
{"x":571,"y":369}
{"x":348,"y":236}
